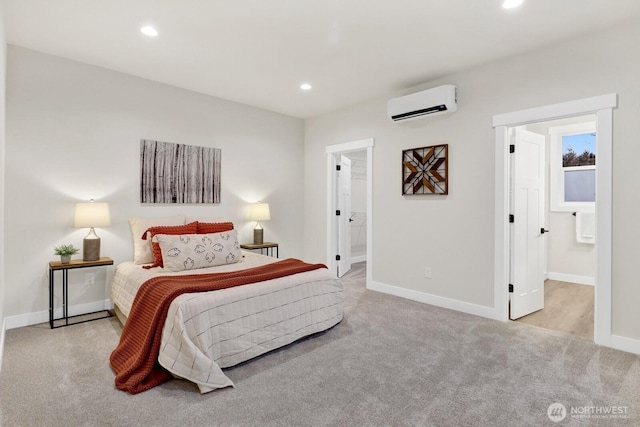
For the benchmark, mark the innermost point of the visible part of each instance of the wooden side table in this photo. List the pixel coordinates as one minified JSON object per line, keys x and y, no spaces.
{"x":57,"y":265}
{"x":268,"y":246}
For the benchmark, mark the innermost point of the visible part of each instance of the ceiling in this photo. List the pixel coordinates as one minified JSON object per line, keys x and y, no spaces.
{"x":258,"y":52}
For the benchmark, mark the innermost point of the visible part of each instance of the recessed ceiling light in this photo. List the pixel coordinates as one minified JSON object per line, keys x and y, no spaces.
{"x":149,"y":31}
{"x":510,"y":4}
{"x":305,"y":86}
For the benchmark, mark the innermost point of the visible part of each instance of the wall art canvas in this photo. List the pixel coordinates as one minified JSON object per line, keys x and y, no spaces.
{"x":424,"y":170}
{"x":178,"y":173}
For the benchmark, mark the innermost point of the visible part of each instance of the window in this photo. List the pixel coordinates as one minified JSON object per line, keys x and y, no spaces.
{"x":573,"y":167}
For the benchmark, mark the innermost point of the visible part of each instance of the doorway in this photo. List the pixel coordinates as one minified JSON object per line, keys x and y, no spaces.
{"x":358,"y":218}
{"x":552,"y":177}
{"x":352,"y":203}
{"x":602,"y":107}
{"x":338,"y":223}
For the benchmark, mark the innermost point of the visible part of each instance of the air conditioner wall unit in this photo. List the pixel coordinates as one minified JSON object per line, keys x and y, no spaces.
{"x":430,"y":102}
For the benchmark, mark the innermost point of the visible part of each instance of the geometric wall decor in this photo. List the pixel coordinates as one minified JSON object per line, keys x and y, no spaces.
{"x":425,"y":170}
{"x":178,"y":173}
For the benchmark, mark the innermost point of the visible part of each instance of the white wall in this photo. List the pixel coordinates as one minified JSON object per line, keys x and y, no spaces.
{"x":73,"y":133}
{"x":3,"y":68}
{"x":454,"y":234}
{"x":566,"y":257}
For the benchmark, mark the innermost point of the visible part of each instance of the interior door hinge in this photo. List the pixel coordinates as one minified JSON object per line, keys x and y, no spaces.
{"x":338,"y":212}
{"x":337,"y":257}
{"x":337,"y":167}
{"x":512,"y":218}
{"x":510,"y":288}
{"x":512,"y":148}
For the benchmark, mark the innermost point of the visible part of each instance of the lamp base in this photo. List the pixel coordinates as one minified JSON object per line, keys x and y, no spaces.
{"x":91,"y":247}
{"x":258,"y":234}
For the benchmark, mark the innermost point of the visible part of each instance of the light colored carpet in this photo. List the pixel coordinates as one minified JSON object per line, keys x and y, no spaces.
{"x":390,"y":362}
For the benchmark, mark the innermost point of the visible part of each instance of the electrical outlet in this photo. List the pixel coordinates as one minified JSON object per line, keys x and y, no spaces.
{"x":89,"y":279}
{"x":427,"y":272}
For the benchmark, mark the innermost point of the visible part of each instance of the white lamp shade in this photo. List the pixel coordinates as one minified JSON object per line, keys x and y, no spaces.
{"x":259,"y":212}
{"x":89,"y":215}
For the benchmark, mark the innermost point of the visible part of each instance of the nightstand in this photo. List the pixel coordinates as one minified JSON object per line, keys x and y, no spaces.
{"x":268,"y":246}
{"x":58,"y":266}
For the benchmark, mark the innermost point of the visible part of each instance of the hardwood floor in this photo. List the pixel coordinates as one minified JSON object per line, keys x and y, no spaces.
{"x":568,"y":307}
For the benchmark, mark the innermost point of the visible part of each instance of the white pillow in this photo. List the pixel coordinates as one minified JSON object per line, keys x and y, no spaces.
{"x":142,"y":253}
{"x":191,"y":251}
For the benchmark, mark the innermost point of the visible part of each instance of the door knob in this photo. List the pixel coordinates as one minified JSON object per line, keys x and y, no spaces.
{"x":542,"y":230}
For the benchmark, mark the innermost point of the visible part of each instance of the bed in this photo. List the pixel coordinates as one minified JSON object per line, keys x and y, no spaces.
{"x":205,"y":332}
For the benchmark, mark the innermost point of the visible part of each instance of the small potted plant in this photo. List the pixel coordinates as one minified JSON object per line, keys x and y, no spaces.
{"x":65,"y":252}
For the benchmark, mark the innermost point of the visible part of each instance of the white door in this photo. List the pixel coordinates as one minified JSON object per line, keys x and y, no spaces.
{"x":344,"y":206}
{"x":528,"y":228}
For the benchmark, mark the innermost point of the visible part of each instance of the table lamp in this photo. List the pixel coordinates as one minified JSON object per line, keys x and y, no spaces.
{"x":259,"y":212}
{"x":89,"y":215}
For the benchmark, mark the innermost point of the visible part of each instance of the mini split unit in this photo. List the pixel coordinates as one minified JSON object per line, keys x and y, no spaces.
{"x":430,"y":102}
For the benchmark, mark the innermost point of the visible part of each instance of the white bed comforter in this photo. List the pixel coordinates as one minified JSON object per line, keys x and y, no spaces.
{"x":207,"y":331}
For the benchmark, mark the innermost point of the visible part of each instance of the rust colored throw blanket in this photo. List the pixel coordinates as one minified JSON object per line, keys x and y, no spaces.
{"x":134,"y":361}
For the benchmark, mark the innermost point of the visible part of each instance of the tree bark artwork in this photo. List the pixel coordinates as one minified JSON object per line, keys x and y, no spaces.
{"x":178,"y":173}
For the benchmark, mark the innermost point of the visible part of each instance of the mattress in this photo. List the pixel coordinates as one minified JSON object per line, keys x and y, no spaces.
{"x":205,"y":332}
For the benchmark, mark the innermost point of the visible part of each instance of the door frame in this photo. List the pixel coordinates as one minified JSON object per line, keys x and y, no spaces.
{"x":602,"y":106}
{"x":332,"y":152}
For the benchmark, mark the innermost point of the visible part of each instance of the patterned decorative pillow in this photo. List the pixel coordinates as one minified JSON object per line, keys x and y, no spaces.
{"x":192,"y":251}
{"x":214,"y":227}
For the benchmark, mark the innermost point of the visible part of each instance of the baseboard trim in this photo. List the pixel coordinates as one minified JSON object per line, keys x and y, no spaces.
{"x":572,"y":278}
{"x":451,"y":304}
{"x":629,"y":345}
{"x":27,"y":319}
{"x":2,"y":341}
{"x":359,"y":258}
